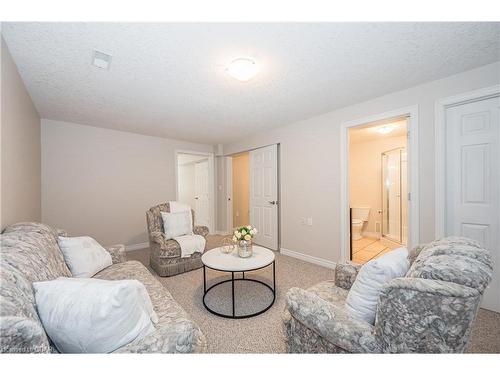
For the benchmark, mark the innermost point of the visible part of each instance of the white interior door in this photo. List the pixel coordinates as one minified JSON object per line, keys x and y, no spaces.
{"x":264,"y":195}
{"x":472,"y":181}
{"x":202,"y":193}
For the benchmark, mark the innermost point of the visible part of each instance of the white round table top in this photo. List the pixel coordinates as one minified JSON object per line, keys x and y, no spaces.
{"x":216,"y":259}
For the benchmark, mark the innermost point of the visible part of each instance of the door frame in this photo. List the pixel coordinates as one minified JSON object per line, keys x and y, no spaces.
{"x":229,"y":194}
{"x":441,"y":106}
{"x":229,"y":187}
{"x":211,"y":178}
{"x":413,"y":184}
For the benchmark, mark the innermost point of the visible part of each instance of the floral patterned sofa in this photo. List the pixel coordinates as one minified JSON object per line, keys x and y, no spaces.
{"x":165,"y":255}
{"x":430,"y":310}
{"x":30,"y":253}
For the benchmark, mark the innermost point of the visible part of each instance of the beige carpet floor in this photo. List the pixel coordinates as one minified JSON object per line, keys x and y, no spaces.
{"x":263,"y":333}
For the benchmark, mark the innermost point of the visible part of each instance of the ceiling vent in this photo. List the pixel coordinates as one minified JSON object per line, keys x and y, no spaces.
{"x":101,"y":60}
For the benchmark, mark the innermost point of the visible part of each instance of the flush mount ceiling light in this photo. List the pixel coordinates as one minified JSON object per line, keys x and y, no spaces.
{"x":101,"y":60}
{"x":386,"y":129}
{"x":242,"y":69}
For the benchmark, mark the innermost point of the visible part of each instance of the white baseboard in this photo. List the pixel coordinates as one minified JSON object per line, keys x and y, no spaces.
{"x":309,"y":258}
{"x":137,"y":246}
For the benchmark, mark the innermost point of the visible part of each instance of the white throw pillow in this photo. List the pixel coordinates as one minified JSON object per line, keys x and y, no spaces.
{"x":364,"y":294}
{"x":176,"y":224}
{"x":93,"y":315}
{"x":84,"y":256}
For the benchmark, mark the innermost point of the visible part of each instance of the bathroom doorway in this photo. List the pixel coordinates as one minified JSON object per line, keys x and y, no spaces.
{"x":377,"y":190}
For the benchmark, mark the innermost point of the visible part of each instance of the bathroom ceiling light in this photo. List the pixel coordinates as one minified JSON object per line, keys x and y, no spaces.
{"x":242,"y":69}
{"x":386,"y":129}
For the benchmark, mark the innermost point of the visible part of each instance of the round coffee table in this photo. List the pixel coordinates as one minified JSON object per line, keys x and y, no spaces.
{"x":215,"y":259}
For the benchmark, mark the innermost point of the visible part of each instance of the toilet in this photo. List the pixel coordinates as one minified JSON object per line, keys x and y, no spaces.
{"x":359,"y":216}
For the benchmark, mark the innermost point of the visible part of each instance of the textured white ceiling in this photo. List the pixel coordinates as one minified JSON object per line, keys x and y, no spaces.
{"x":168,"y":80}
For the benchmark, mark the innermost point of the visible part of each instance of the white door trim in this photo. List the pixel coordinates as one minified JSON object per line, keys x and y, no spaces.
{"x":211,"y":176}
{"x":229,"y":193}
{"x":440,"y":144}
{"x":413,"y":184}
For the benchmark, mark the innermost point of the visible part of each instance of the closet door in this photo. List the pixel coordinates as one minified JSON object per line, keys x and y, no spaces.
{"x":472,"y":180}
{"x":264,"y":195}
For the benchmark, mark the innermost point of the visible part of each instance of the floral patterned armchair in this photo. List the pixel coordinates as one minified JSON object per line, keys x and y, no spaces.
{"x":165,"y":255}
{"x":430,"y":310}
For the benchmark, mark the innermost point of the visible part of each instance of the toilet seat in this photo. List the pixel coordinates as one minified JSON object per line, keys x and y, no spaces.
{"x":357,"y":221}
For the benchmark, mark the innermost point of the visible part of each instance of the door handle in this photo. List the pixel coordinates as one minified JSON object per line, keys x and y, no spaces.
{"x":273,"y":202}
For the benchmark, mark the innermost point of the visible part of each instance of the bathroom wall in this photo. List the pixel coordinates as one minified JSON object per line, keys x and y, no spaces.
{"x":365,"y":176}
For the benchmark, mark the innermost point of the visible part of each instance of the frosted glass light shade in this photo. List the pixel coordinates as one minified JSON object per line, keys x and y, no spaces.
{"x":242,"y":69}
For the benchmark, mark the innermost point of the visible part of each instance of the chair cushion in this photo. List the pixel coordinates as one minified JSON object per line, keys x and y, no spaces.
{"x":362,"y":300}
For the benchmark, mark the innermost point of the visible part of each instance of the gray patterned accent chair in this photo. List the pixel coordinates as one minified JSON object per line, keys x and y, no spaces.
{"x":430,"y":310}
{"x":165,"y":255}
{"x":30,"y":253}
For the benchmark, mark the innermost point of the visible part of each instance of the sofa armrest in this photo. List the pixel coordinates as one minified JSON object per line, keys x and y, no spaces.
{"x":331,"y":322}
{"x":345,"y":274}
{"x":117,"y":253}
{"x":200,"y":230}
{"x":176,"y":337}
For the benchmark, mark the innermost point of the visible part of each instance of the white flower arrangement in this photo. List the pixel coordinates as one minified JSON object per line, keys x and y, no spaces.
{"x":244,"y":233}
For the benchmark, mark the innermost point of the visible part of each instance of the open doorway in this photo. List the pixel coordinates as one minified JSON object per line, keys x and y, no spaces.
{"x":390,"y":231}
{"x":195,"y":179}
{"x":241,"y":189}
{"x":378,"y":189}
{"x":253,"y":193}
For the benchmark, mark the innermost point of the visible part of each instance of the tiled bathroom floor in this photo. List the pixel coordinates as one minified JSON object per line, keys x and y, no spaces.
{"x":368,"y":248}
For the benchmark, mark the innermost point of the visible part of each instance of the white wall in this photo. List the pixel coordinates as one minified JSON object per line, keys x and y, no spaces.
{"x":100,"y":182}
{"x":310,"y":161}
{"x":20,"y":196}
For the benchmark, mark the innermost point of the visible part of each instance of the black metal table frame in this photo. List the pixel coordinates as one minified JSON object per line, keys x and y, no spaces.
{"x":232,"y":280}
